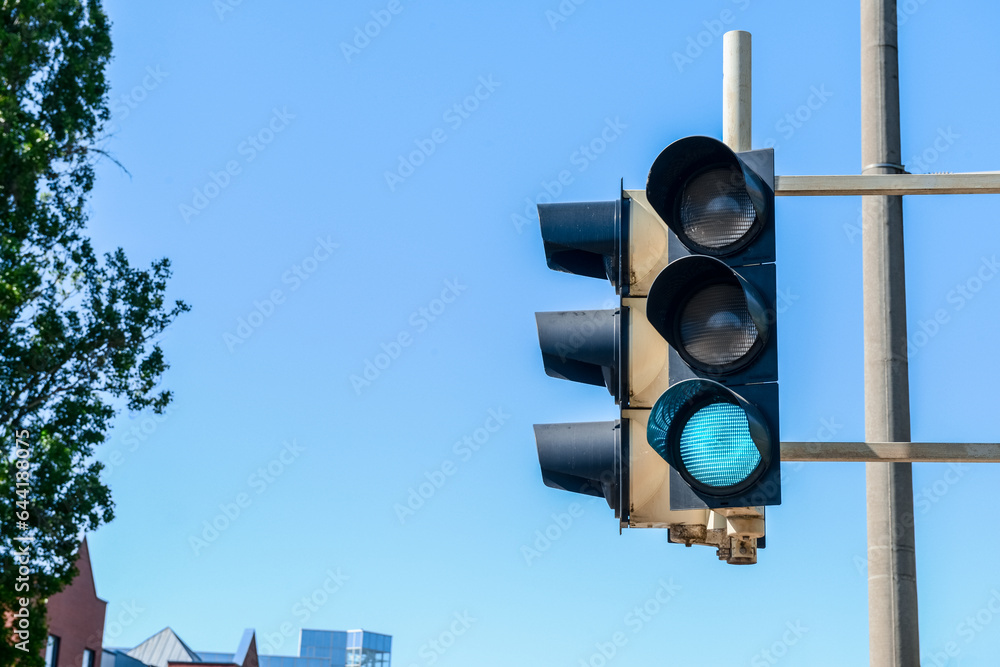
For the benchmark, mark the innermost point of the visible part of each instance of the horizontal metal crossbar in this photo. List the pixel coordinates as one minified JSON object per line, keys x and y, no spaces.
{"x":888,"y":184}
{"x":916,"y":452}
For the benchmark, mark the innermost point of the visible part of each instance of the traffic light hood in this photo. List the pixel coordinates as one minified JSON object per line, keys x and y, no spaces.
{"x":719,"y":442}
{"x":583,"y":238}
{"x":581,"y":346}
{"x":732,"y":313}
{"x":582,"y":458}
{"x":699,"y":178}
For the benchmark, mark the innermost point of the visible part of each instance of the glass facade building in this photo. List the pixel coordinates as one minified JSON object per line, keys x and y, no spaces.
{"x":368,"y":649}
{"x":333,"y":648}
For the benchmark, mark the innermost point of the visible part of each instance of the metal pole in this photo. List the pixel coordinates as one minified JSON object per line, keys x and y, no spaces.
{"x":937,"y":452}
{"x":982,"y":183}
{"x":736,"y":114}
{"x":892,"y":571}
{"x":742,"y":524}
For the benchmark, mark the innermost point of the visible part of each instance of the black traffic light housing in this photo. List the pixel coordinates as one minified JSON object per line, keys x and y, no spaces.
{"x":693,"y":168}
{"x":680,"y":307}
{"x":690,"y":351}
{"x":718,"y":428}
{"x":750,"y":475}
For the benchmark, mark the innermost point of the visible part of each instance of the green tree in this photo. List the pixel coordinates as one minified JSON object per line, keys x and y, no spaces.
{"x":77,"y":332}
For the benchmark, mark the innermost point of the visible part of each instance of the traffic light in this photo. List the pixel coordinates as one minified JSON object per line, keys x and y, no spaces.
{"x":688,"y":351}
{"x":584,"y":346}
{"x":718,"y":429}
{"x":615,"y":348}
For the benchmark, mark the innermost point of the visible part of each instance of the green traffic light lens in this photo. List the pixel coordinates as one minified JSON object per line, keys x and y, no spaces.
{"x":716,"y":327}
{"x":716,"y":447}
{"x":715,"y":209}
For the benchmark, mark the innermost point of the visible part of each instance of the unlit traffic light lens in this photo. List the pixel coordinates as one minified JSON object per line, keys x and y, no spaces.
{"x":713,"y":317}
{"x":716,"y":448}
{"x":716,"y":327}
{"x":715,"y":209}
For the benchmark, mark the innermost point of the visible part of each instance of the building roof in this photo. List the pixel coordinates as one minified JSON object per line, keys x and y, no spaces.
{"x":162,"y":648}
{"x":85,"y":573}
{"x":246,"y":652}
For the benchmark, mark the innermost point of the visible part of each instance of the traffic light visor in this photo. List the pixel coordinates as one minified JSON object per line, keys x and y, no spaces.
{"x":711,"y":315}
{"x":582,"y":238}
{"x":581,"y":346}
{"x":717,"y":441}
{"x":712,"y":200}
{"x":582,"y":458}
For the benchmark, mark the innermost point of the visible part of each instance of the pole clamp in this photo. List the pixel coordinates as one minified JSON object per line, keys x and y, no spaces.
{"x":885,"y":165}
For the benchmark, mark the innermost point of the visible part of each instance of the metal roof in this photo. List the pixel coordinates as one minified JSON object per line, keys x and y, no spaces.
{"x":161,"y":648}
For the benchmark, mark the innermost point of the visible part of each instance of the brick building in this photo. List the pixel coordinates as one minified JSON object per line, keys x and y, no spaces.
{"x":76,"y":620}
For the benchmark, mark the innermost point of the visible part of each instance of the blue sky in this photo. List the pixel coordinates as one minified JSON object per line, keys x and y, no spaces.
{"x":258,"y":147}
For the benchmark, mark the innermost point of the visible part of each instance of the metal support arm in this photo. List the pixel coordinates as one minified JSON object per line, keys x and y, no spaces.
{"x":898,"y":452}
{"x":979,"y":183}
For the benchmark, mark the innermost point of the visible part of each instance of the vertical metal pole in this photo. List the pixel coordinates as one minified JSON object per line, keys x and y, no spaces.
{"x":736,"y":90}
{"x":736,"y":125}
{"x":892,"y":571}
